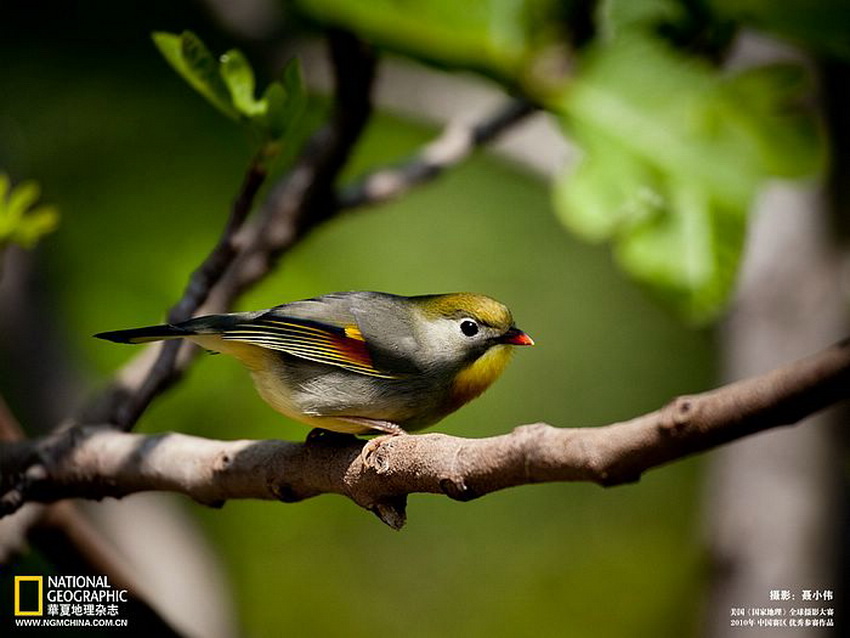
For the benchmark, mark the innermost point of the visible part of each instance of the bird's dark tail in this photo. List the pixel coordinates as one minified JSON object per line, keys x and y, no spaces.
{"x":146,"y":334}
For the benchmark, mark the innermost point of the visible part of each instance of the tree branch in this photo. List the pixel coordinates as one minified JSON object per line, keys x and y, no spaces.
{"x":379,"y":474}
{"x":302,"y":200}
{"x":305,"y":198}
{"x":124,"y":401}
{"x":70,"y":541}
{"x":455,"y":144}
{"x":244,"y":255}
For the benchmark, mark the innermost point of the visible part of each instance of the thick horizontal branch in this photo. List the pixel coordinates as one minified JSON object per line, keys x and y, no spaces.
{"x":379,"y":474}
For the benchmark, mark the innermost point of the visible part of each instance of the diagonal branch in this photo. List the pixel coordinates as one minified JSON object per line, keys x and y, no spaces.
{"x":378,"y":475}
{"x":455,"y":144}
{"x":164,"y":373}
{"x":244,"y":255}
{"x":305,"y":199}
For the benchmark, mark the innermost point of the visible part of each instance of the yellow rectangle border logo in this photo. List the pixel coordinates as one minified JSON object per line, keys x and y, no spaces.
{"x":36,"y":579}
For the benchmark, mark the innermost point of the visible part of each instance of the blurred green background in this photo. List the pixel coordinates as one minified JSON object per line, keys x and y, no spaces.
{"x":143,"y":172}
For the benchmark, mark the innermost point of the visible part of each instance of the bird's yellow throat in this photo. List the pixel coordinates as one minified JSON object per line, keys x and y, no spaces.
{"x":480,"y":374}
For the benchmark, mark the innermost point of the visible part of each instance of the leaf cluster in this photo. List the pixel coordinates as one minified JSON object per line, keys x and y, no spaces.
{"x":228,"y":83}
{"x":22,"y":220}
{"x":674,"y":146}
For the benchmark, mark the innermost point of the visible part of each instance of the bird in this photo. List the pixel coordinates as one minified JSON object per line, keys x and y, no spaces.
{"x":360,"y":362}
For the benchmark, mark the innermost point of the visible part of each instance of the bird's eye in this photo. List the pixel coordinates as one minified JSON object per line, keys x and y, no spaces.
{"x":469,"y":327}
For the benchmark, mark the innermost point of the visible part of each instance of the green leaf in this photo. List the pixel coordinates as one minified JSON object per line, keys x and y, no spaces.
{"x":285,"y":101}
{"x":494,"y":36}
{"x":673,"y":156}
{"x":21,"y":198}
{"x":193,"y":61}
{"x":22,"y":222}
{"x":609,"y":191}
{"x":689,"y":255}
{"x":37,"y":223}
{"x":275,"y":100}
{"x":230,"y":86}
{"x":624,"y":15}
{"x":239,"y":78}
{"x":769,"y":105}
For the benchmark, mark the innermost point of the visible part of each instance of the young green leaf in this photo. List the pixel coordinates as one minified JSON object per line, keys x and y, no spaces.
{"x":284,"y":102}
{"x":21,"y":221}
{"x":193,"y":61}
{"x":239,"y":78}
{"x":229,"y":85}
{"x":494,"y":36}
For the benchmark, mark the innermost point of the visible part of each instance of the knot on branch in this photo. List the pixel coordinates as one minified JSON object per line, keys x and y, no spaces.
{"x":678,"y":416}
{"x":222,"y":462}
{"x":392,"y":511}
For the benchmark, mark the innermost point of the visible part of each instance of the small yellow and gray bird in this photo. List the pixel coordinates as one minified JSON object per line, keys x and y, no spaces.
{"x":360,"y":362}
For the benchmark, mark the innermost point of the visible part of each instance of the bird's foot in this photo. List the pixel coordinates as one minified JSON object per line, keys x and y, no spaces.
{"x":371,"y":454}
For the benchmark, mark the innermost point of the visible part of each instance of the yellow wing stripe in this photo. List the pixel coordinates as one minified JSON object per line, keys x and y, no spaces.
{"x":297,"y":326}
{"x":346,"y":350}
{"x":353,"y":332}
{"x":321,"y":355}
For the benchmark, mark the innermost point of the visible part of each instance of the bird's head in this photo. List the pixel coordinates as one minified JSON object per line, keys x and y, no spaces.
{"x":458,"y":328}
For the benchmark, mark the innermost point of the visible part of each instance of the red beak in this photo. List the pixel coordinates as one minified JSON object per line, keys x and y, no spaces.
{"x":516,"y":337}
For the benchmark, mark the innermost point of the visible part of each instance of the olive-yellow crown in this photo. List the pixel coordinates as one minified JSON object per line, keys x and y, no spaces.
{"x":482,"y":308}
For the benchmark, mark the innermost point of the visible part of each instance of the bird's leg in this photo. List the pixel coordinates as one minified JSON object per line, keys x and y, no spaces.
{"x":360,"y":425}
{"x":377,"y":426}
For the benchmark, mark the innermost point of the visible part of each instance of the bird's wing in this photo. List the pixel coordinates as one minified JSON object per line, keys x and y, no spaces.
{"x":342,"y":346}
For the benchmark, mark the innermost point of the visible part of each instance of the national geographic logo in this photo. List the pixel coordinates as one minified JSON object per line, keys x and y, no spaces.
{"x":29,"y":595}
{"x":68,"y":601}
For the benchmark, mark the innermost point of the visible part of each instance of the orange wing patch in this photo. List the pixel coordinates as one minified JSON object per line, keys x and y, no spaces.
{"x":311,"y":340}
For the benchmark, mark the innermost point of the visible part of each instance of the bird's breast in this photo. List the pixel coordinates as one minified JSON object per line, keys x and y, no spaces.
{"x":479,"y":375}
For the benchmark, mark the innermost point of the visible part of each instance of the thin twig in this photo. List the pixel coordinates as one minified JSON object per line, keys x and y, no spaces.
{"x":305,"y":199}
{"x":378,"y":475}
{"x":163,"y":372}
{"x":455,"y":144}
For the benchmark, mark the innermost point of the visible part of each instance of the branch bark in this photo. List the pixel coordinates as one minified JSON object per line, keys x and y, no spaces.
{"x":455,"y":144}
{"x":70,"y":541}
{"x":379,"y":474}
